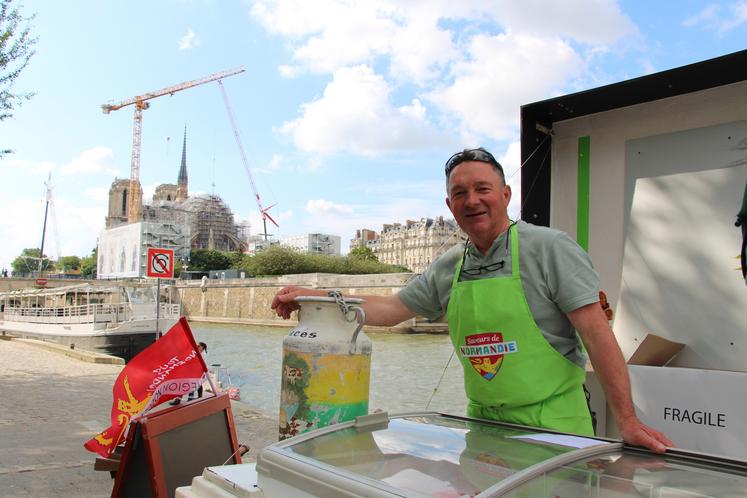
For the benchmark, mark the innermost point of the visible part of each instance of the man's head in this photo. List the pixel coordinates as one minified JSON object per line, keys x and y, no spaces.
{"x":202,"y":347}
{"x":477,"y":195}
{"x":479,"y":154}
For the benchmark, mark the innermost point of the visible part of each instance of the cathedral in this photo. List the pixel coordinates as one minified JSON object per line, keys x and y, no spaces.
{"x":205,"y":221}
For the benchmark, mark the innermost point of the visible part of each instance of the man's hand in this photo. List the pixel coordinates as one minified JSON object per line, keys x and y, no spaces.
{"x":612,"y":373}
{"x":284,"y":303}
{"x":635,"y":432}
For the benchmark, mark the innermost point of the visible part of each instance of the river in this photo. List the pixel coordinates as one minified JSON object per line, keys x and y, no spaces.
{"x":405,"y":368}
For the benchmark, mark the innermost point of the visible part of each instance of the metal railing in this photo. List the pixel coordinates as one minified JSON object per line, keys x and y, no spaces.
{"x":86,"y":313}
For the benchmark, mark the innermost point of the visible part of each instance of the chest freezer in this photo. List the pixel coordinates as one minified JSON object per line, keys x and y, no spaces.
{"x":445,"y":456}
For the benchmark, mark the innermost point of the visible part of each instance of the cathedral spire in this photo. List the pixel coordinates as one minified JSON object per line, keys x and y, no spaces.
{"x":182,"y":190}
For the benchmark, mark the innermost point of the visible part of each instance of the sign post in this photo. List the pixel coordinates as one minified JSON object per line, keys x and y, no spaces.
{"x":160,"y":265}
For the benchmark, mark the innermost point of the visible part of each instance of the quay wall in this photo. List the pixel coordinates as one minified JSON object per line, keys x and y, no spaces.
{"x":248,"y":300}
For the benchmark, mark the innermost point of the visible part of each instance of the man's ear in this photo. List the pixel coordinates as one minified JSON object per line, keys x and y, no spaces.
{"x":507,"y":194}
{"x":448,"y":204}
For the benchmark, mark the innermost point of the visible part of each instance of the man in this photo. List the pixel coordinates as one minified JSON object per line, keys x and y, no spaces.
{"x":514,"y":296}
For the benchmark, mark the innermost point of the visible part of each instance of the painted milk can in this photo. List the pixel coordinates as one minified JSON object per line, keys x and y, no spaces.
{"x":326,"y":365}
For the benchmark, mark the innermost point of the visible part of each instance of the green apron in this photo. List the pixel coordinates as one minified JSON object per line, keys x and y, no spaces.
{"x":511,"y":373}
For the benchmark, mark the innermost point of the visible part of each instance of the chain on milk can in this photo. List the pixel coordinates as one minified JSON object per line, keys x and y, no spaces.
{"x":326,"y":365}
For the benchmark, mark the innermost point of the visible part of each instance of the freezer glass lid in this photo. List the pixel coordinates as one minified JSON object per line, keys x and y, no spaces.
{"x":633,"y":474}
{"x":436,"y":454}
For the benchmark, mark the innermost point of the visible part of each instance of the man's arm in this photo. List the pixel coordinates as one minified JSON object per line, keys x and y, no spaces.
{"x":383,"y":311}
{"x":612,"y":371}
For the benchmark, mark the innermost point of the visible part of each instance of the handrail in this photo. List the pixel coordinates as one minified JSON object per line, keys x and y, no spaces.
{"x":86,"y":313}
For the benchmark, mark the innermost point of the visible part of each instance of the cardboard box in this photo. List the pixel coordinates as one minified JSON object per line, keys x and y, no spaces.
{"x":700,"y":410}
{"x":653,"y":351}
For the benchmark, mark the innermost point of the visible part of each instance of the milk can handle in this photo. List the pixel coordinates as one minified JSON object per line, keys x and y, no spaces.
{"x":360,"y":317}
{"x":345,"y":308}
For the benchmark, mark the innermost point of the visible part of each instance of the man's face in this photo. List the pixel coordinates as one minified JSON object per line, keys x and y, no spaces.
{"x":478,"y":199}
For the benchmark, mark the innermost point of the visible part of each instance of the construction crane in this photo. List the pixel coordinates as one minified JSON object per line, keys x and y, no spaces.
{"x":135,"y":195}
{"x":263,"y":210}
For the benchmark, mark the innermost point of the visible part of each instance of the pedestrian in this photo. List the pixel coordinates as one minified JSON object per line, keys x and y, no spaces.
{"x":514,"y":296}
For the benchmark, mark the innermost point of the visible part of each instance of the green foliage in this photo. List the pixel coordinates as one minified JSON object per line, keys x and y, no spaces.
{"x":16,"y":49}
{"x":178,"y":267}
{"x":67,"y":263}
{"x":88,"y":265}
{"x":207,"y":260}
{"x":280,"y":260}
{"x":28,"y":262}
{"x":362,"y":253}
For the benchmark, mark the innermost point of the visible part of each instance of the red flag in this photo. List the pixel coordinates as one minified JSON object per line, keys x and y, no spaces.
{"x":169,"y":367}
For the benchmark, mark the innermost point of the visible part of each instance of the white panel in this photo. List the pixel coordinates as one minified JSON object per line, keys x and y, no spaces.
{"x":119,"y":252}
{"x":681,"y":277}
{"x":699,"y":410}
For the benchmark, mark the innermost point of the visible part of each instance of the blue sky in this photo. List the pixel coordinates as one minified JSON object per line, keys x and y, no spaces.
{"x":347,"y":109}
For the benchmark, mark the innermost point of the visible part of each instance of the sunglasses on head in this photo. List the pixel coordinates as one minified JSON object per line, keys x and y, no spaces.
{"x":478,"y":154}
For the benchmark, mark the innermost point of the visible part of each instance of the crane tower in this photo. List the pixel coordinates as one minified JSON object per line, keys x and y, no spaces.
{"x":135,"y":195}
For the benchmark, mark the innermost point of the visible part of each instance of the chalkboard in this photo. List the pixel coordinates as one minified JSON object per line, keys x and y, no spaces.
{"x":166,"y":449}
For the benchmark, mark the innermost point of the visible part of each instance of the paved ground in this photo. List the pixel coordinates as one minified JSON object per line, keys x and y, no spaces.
{"x":51,"y":404}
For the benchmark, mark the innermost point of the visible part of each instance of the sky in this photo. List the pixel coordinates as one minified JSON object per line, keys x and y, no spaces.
{"x":347,"y":110}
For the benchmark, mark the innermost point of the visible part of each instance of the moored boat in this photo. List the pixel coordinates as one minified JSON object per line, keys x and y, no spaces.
{"x":117,"y":319}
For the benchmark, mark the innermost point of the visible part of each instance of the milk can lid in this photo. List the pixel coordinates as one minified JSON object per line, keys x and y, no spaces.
{"x":326,"y":299}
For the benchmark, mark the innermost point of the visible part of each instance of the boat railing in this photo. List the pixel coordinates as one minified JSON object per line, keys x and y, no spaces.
{"x":170,"y":311}
{"x":86,"y":313}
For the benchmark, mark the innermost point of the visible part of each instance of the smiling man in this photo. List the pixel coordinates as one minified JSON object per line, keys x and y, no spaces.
{"x":514,"y":296}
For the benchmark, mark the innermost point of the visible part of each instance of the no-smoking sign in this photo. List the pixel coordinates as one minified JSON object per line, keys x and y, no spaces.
{"x":160,"y":263}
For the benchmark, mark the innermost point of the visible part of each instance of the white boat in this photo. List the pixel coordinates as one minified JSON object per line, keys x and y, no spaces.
{"x":120,"y":320}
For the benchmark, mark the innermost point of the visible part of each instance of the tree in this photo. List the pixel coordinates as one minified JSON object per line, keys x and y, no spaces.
{"x":16,"y":49}
{"x":88,"y":265}
{"x":66,"y":263}
{"x":207,"y":259}
{"x":362,"y":253}
{"x":28,"y":262}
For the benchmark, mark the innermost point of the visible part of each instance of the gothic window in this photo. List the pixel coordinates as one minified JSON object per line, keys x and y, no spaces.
{"x":124,"y":201}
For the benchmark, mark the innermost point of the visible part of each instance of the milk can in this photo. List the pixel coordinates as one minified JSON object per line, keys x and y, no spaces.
{"x":326,"y":365}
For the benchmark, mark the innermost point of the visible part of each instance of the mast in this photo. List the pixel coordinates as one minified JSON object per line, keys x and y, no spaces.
{"x":44,"y":227}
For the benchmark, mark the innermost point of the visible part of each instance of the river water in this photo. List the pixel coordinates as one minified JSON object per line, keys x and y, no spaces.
{"x":405,"y":368}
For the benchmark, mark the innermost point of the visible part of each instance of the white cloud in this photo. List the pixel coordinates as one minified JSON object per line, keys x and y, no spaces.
{"x":484,"y":58}
{"x":72,"y":229}
{"x":150,"y":189}
{"x":593,"y":22}
{"x":321,"y":206}
{"x":356,"y":114}
{"x":737,"y":18}
{"x":704,"y":16}
{"x":503,"y":72}
{"x":714,"y":18}
{"x":275,"y":162}
{"x":373,"y":216}
{"x":511,"y":162}
{"x":188,"y":41}
{"x":100,"y":159}
{"x":100,"y":194}
{"x":32,"y":167}
{"x":328,"y":34}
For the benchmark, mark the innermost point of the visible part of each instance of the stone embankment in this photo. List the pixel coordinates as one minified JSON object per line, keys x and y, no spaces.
{"x":248,"y":300}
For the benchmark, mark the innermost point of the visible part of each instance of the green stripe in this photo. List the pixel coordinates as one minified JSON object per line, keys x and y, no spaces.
{"x":582,"y":224}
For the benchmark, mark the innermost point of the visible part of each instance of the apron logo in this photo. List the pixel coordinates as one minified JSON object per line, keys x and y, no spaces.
{"x":485,"y":352}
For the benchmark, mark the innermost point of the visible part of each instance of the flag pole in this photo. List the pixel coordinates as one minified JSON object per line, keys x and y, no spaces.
{"x":158,"y":305}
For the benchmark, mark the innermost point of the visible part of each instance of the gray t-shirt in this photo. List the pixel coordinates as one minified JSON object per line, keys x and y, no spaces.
{"x":557,"y":276}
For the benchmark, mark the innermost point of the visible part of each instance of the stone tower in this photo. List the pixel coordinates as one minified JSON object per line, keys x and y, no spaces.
{"x":118,"y":203}
{"x":182,"y":190}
